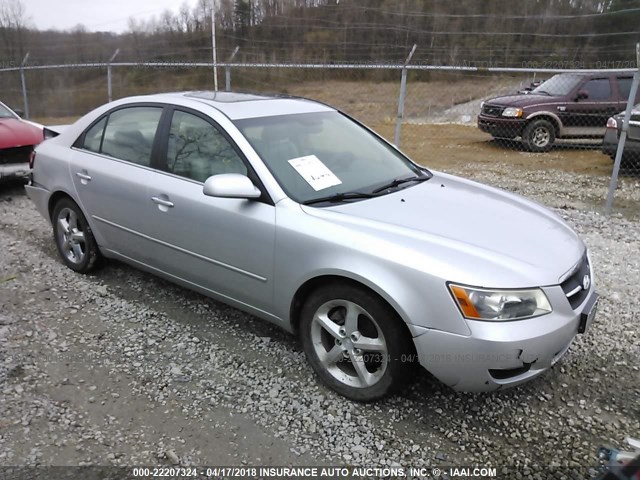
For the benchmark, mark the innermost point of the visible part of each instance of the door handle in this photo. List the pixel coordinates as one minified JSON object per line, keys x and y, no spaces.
{"x":162,"y":201}
{"x":83,"y":176}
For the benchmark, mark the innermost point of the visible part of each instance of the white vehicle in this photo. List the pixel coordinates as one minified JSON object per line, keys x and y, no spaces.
{"x":292,"y":211}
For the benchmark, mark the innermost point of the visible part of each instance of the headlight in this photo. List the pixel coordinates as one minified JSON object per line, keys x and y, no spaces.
{"x":496,"y":305}
{"x":512,"y":112}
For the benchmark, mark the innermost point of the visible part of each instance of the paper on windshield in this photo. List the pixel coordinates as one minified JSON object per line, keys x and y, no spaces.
{"x":314,"y":172}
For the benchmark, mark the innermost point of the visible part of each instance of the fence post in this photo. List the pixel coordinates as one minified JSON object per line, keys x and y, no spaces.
{"x":623,"y":134}
{"x":403,"y":91}
{"x":109,"y":83}
{"x":214,"y":50}
{"x":227,"y":70}
{"x":25,"y":100}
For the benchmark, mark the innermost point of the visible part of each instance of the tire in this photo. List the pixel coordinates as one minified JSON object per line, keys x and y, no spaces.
{"x":355,"y":342}
{"x":73,"y":236}
{"x":539,"y":135}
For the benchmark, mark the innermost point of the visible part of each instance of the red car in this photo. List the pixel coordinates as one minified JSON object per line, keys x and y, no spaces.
{"x":18,"y":138}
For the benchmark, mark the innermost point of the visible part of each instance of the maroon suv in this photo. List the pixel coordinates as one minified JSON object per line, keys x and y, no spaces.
{"x":568,"y":105}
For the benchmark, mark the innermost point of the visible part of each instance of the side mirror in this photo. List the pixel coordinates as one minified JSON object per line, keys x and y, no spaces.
{"x":230,"y":185}
{"x":582,"y":95}
{"x":18,"y":112}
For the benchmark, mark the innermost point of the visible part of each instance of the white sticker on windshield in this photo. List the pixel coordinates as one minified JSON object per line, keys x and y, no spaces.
{"x":314,"y":172}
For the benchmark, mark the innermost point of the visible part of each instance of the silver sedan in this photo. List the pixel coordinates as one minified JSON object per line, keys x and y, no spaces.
{"x":292,"y":211}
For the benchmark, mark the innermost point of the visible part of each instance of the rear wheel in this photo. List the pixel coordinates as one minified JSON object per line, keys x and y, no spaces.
{"x":74,"y":238}
{"x":355,"y":342}
{"x":539,"y":135}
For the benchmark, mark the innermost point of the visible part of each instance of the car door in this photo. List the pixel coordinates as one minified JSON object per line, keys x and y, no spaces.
{"x":224,"y":245}
{"x":110,"y":168}
{"x":594,"y":102}
{"x":624,"y":88}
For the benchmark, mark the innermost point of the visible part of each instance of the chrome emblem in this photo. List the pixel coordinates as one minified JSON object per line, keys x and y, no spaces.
{"x":586,"y":282}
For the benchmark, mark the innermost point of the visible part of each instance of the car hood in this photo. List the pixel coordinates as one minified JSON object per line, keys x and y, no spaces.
{"x":17,"y":133}
{"x":635,"y":115}
{"x":477,"y":234}
{"x":523,"y":100}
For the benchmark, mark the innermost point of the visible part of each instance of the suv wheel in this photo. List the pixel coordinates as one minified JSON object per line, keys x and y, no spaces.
{"x":539,"y":135}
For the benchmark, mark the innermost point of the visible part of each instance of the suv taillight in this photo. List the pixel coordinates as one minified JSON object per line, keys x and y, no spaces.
{"x":611,"y":123}
{"x":32,"y":158}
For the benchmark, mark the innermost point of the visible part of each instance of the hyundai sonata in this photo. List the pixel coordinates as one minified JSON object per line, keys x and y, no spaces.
{"x":294,"y":212}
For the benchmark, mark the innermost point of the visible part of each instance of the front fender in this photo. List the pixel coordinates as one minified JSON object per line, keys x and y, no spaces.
{"x":547,"y":114}
{"x":421,"y":300}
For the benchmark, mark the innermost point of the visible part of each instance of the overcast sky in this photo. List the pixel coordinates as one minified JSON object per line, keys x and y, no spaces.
{"x":95,"y":15}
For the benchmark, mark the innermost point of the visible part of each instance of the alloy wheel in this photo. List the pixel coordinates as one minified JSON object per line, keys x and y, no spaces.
{"x":71,"y":238}
{"x":349,"y":343}
{"x":541,"y":136}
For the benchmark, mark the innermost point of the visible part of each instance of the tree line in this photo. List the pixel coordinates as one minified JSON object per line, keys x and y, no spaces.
{"x":503,"y":33}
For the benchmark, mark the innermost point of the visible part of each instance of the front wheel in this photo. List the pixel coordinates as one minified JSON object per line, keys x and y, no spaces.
{"x":74,"y":237}
{"x":355,"y":342}
{"x":539,"y":135}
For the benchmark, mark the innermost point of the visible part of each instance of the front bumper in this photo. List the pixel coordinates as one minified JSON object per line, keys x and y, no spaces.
{"x":14,"y":170}
{"x":610,"y":144}
{"x":501,"y":354}
{"x":501,"y":127}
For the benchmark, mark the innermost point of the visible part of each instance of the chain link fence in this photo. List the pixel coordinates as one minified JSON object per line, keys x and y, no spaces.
{"x":558,"y":129}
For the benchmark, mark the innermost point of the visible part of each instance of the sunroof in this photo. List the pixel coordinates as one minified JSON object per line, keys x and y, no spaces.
{"x":226,"y":97}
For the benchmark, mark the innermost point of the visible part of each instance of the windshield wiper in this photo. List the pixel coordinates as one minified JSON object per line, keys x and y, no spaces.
{"x":400,"y":181}
{"x":339,"y":197}
{"x":541,"y":92}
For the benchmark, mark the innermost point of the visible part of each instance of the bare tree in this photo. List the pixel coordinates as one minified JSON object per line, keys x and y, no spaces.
{"x":13,"y":26}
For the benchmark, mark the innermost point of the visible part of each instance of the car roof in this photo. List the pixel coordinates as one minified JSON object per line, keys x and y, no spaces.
{"x":238,"y":106}
{"x":598,"y":73}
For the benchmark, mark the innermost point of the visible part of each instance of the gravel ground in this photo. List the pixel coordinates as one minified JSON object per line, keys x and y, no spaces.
{"x":559,"y":189}
{"x":121,"y":368}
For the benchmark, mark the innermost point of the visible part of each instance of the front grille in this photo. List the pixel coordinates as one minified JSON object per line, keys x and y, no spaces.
{"x":492,"y":110}
{"x":15,"y":155}
{"x":573,"y":286}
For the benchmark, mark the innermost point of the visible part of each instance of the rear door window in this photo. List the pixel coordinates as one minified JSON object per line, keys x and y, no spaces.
{"x":93,"y":137}
{"x":127,"y":134}
{"x":624,"y":85}
{"x":598,"y":89}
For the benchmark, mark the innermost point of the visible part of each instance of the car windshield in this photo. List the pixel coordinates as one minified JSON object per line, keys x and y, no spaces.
{"x":321,"y":155}
{"x":5,"y":112}
{"x":558,"y":85}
